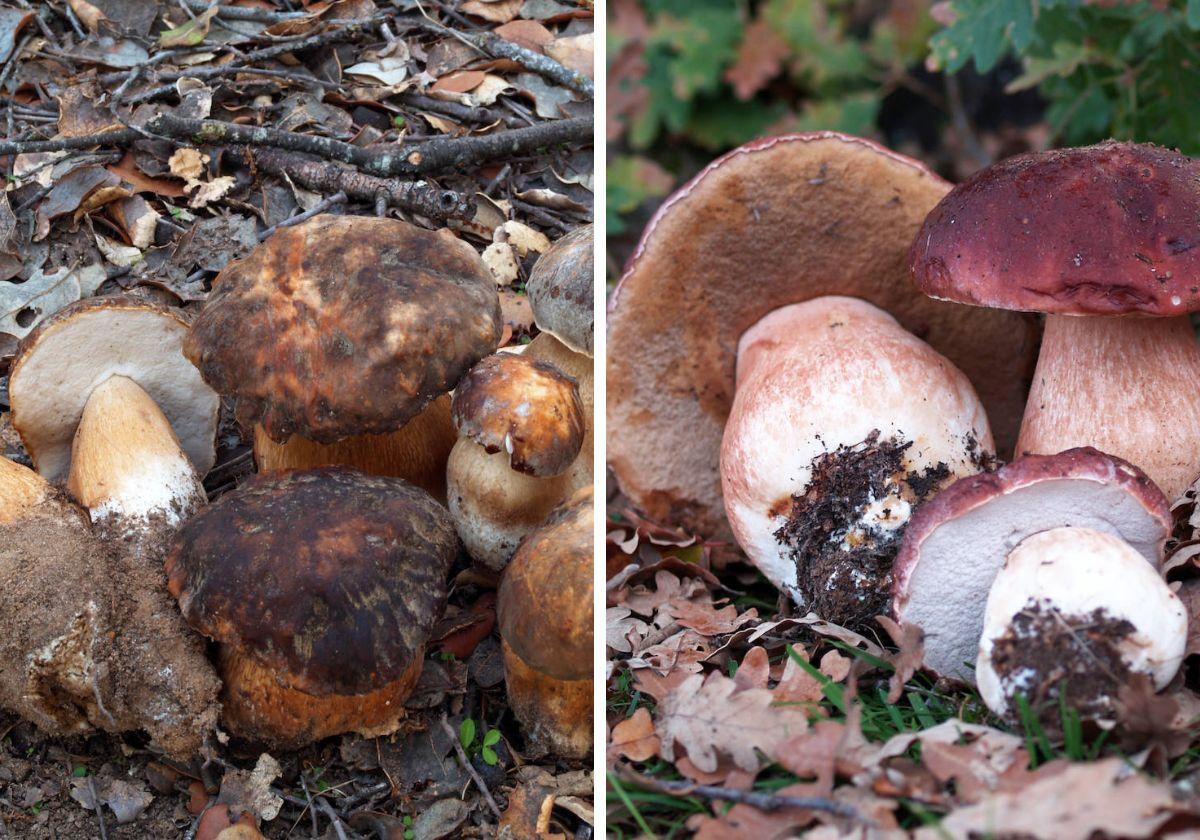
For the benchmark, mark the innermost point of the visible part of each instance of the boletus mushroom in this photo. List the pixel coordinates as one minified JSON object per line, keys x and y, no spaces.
{"x":545,"y":616}
{"x":340,"y":338}
{"x":843,"y":425}
{"x":320,"y":588}
{"x":956,"y":545}
{"x":780,"y":221}
{"x":1073,"y":617}
{"x":83,"y":642}
{"x":521,"y":426}
{"x":1104,"y":240}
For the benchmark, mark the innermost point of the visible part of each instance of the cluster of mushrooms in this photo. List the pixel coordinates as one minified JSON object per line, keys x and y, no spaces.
{"x":820,"y":348}
{"x":389,"y":434}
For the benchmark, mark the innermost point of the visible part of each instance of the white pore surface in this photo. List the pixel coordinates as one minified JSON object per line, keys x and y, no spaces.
{"x":1075,"y":571}
{"x":959,"y":560}
{"x":810,"y":397}
{"x":51,"y":385}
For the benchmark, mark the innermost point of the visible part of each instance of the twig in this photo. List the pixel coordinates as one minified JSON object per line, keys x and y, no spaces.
{"x":460,"y":112}
{"x":115,"y":137}
{"x":312,"y":812}
{"x":244,"y":13}
{"x":327,"y":809}
{"x":325,"y":177}
{"x":962,"y":125}
{"x":471,"y":771}
{"x":97,"y":807}
{"x":320,"y":207}
{"x":755,"y":799}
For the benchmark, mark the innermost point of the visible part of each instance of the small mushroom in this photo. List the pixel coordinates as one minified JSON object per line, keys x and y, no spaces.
{"x":520,"y":423}
{"x":61,"y":364}
{"x":561,"y":295}
{"x":83,"y":642}
{"x":955,"y":546}
{"x":843,"y":425}
{"x":545,"y":616}
{"x":780,"y":221}
{"x":320,"y":588}
{"x":1103,"y":240}
{"x":341,"y":337}
{"x":1072,"y":617}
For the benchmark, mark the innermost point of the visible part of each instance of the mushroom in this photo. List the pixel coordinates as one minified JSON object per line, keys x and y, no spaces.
{"x":1104,"y":241}
{"x":83,"y":644}
{"x":780,"y":221}
{"x":842,"y":426}
{"x":561,"y":295}
{"x":321,"y":588}
{"x":63,"y":364}
{"x":340,"y":338}
{"x":955,"y":545}
{"x":1073,"y":617}
{"x":520,"y":423}
{"x":545,"y":616}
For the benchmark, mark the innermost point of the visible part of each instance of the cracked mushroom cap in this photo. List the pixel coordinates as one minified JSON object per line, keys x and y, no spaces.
{"x":779,"y":221}
{"x":330,"y":577}
{"x":60,"y":364}
{"x":956,"y":544}
{"x":1101,"y":230}
{"x":1077,"y":611}
{"x":561,"y":287}
{"x":345,"y":325}
{"x":526,"y":407}
{"x":545,"y":602}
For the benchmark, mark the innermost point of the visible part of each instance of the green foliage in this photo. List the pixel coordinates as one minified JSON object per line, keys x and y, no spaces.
{"x":467,"y":732}
{"x":1127,"y":70}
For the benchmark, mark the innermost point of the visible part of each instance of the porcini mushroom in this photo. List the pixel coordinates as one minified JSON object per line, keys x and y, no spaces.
{"x":82,"y":644}
{"x":955,"y":545}
{"x":1104,"y":241}
{"x":340,"y":338}
{"x":842,"y":426}
{"x":321,"y":588}
{"x":62,"y":364}
{"x":780,"y":221}
{"x":1073,"y":616}
{"x":545,"y":616}
{"x":520,"y":423}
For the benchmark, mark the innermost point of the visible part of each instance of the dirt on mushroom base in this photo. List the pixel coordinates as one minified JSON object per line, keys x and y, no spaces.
{"x":844,"y":562}
{"x":1068,"y":660}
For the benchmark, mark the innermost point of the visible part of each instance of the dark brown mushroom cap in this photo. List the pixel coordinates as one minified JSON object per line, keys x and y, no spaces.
{"x":561,"y":292}
{"x":779,"y":221}
{"x":527,"y":407}
{"x":332,"y":577}
{"x":345,"y":325}
{"x":1102,"y":230}
{"x":545,"y":603}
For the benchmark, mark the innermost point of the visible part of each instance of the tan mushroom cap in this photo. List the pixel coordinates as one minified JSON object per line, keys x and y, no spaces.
{"x":344,"y":326}
{"x":525,"y":407}
{"x":779,"y":221}
{"x":60,"y":364}
{"x":561,"y":288}
{"x":330,"y":577}
{"x":545,"y":602}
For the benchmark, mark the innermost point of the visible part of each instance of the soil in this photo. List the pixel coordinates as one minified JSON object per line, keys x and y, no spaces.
{"x":1063,"y":659}
{"x":844,"y":564}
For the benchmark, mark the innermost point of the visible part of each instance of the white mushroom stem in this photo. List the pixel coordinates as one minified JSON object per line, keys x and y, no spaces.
{"x":1125,"y":385}
{"x":1077,"y":581}
{"x":819,"y":381}
{"x":127,"y":466}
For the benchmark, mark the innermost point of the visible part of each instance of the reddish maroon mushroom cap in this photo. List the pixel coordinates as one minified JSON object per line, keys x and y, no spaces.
{"x":1102,"y":230}
{"x":955,"y":545}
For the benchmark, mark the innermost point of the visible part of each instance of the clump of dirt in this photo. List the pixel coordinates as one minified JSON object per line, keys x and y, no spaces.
{"x":844,"y":531}
{"x":90,"y":638}
{"x":1054,"y":659}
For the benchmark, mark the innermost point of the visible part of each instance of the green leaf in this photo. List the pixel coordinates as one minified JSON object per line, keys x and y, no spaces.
{"x":79,"y":772}
{"x":399,"y":121}
{"x":491,"y":738}
{"x":466,"y":732}
{"x":1193,"y":14}
{"x":191,"y":33}
{"x":489,"y":756}
{"x":1066,"y":59}
{"x":983,"y":31}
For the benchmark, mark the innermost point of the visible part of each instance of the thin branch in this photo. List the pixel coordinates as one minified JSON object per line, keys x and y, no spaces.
{"x":317,"y":209}
{"x":115,"y":137}
{"x":471,"y":771}
{"x":97,"y":807}
{"x":244,"y":13}
{"x":328,"y":811}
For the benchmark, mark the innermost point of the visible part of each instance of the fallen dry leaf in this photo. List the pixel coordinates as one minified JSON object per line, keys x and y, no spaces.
{"x":624,"y":631}
{"x":708,"y":715}
{"x":522,"y":237}
{"x":908,"y":659}
{"x":502,"y":262}
{"x":634,"y":738}
{"x":526,"y":33}
{"x":760,"y":58}
{"x":575,"y":52}
{"x":249,"y":791}
{"x":497,"y":11}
